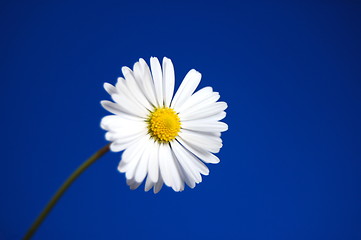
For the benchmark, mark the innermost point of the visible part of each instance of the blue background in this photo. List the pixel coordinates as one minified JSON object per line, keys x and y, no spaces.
{"x":291,"y":162}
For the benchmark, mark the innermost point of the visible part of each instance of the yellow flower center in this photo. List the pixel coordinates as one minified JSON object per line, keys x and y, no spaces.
{"x":163,"y":124}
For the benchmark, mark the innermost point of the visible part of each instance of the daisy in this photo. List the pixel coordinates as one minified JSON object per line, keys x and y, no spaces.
{"x":165,"y":138}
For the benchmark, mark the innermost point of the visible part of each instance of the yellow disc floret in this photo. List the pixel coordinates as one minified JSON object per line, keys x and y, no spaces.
{"x":164,"y":124}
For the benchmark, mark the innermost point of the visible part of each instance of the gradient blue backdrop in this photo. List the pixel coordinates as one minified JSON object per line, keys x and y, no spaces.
{"x":291,"y":162}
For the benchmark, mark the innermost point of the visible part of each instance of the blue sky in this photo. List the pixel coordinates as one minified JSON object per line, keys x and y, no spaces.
{"x":290,"y":72}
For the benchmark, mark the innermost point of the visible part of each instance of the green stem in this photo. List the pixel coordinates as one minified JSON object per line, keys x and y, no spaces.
{"x":63,"y":188}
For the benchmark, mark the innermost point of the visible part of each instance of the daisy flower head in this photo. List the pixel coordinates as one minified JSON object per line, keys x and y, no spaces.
{"x":166,"y":136}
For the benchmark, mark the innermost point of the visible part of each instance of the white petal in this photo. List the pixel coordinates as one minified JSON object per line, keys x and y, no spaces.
{"x":138,"y":76}
{"x":203,"y":169}
{"x":127,"y":117}
{"x":207,"y":119}
{"x":142,"y":167}
{"x":131,"y":157}
{"x":196,"y":98}
{"x":211,"y":134}
{"x":148,"y":184}
{"x":183,"y":177}
{"x":187,"y":179}
{"x":158,"y":79}
{"x":168,"y":81}
{"x":203,"y":142}
{"x":124,"y":136}
{"x":110,"y":88}
{"x":174,"y":173}
{"x":134,"y":88}
{"x":158,"y":186}
{"x":124,"y":91}
{"x":112,"y":122}
{"x":131,"y":167}
{"x":205,"y":126}
{"x":130,"y":153}
{"x":188,"y":166}
{"x":202,"y":154}
{"x":213,"y":109}
{"x":133,"y":184}
{"x":164,"y":158}
{"x":202,"y":105}
{"x":206,"y":138}
{"x":137,"y":72}
{"x":148,"y":82}
{"x":186,"y":89}
{"x":153,"y":165}
{"x":115,"y":108}
{"x":128,"y":106}
{"x":128,"y":101}
{"x":121,"y":144}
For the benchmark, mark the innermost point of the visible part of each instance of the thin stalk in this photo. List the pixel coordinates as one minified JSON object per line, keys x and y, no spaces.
{"x":62,"y":189}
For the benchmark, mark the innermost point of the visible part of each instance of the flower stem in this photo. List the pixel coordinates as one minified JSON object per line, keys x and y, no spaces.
{"x":63,"y":188}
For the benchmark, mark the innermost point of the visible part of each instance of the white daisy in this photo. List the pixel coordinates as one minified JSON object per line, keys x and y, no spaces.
{"x":165,"y":138}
